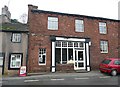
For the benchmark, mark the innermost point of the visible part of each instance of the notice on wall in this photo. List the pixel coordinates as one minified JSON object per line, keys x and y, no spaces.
{"x":22,"y":71}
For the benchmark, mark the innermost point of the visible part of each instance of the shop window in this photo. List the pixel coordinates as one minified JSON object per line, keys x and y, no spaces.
{"x":58,"y":55}
{"x":75,"y":44}
{"x":70,"y":44}
{"x":64,"y":44}
{"x":81,"y":44}
{"x":64,"y":56}
{"x":42,"y":56}
{"x":58,"y":43}
{"x":70,"y":54}
{"x":15,"y":60}
{"x":64,"y":51}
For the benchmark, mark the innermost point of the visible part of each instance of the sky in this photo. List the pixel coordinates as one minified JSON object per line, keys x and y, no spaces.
{"x":97,"y":8}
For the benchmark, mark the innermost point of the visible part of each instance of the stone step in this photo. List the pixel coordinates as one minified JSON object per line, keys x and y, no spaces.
{"x":81,"y":71}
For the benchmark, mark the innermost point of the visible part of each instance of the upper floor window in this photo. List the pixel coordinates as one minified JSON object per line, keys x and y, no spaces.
{"x":53,"y":23}
{"x":79,"y":26}
{"x":104,"y":46}
{"x":16,"y":37}
{"x":102,"y":28}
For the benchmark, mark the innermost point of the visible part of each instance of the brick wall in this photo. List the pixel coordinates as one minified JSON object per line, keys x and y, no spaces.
{"x":41,"y":39}
{"x":119,"y":39}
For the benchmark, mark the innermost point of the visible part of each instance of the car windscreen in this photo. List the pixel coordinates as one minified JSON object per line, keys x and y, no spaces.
{"x":106,"y":61}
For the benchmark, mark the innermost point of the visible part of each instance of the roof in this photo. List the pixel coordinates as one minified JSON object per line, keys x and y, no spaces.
{"x":77,"y":15}
{"x":13,"y":27}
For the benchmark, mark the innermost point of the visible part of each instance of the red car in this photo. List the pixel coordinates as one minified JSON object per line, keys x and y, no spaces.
{"x":110,"y":66}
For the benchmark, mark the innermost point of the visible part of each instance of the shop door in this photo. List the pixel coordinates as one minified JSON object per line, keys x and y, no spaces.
{"x":79,"y":60}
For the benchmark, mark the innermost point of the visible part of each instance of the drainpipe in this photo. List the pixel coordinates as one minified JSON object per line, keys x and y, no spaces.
{"x":27,"y":53}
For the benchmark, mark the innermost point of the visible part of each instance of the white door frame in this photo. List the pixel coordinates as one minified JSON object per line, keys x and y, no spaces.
{"x":76,"y":61}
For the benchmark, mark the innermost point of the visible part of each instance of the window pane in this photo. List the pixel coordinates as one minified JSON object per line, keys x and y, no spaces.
{"x":16,"y":37}
{"x":79,"y":25}
{"x":58,"y":43}
{"x":106,"y":61}
{"x":58,"y":55}
{"x":117,"y":62}
{"x":70,"y":54}
{"x":15,"y":61}
{"x":52,"y":23}
{"x":64,"y":56}
{"x":1,"y":61}
{"x":102,"y":28}
{"x":64,"y":44}
{"x":104,"y":46}
{"x":75,"y":44}
{"x":81,"y":44}
{"x":70,"y":44}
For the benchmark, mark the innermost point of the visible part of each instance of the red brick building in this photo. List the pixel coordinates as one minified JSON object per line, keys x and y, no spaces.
{"x":69,"y":42}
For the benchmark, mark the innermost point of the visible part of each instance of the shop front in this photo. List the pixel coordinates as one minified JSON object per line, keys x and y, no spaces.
{"x":67,"y":50}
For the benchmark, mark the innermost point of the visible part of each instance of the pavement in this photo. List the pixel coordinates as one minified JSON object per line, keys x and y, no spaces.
{"x":44,"y":74}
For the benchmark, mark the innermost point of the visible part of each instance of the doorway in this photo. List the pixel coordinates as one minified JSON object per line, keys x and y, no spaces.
{"x":79,"y":60}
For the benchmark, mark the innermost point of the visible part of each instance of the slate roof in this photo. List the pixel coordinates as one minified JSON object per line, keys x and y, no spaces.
{"x":76,"y":15}
{"x":13,"y":27}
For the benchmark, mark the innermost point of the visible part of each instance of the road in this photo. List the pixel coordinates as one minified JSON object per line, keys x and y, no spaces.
{"x":91,"y":78}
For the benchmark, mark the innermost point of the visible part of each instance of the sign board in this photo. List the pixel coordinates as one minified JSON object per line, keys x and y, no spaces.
{"x":22,"y":71}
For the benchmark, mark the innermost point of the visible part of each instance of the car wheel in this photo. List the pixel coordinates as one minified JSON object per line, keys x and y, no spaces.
{"x":114,"y":73}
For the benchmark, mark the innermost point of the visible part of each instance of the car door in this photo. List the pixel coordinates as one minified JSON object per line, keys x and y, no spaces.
{"x":117,"y":65}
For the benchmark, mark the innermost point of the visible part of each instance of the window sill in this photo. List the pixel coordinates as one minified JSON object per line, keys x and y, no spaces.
{"x":70,"y":62}
{"x":103,"y":33}
{"x":42,"y":64}
{"x":53,"y":29}
{"x":104,"y":52}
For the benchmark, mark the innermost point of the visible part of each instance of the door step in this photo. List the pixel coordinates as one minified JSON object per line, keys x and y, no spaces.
{"x":81,"y":71}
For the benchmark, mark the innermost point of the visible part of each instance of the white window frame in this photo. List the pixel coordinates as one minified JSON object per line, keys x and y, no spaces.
{"x":1,"y":61}
{"x":102,"y":28}
{"x":42,"y":52}
{"x":104,"y":46}
{"x":16,"y":60}
{"x":52,"y":23}
{"x":79,"y":25}
{"x":66,"y":46}
{"x":16,"y":37}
